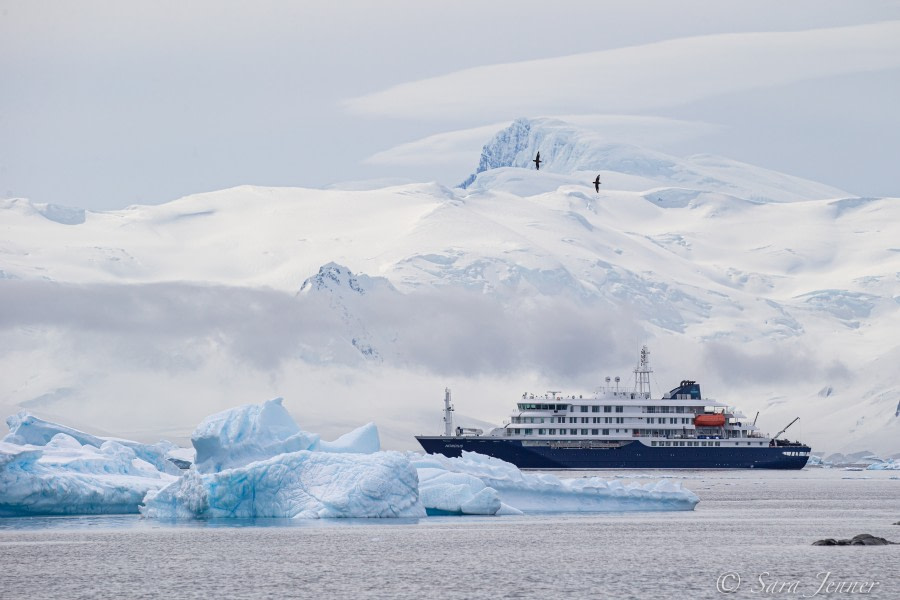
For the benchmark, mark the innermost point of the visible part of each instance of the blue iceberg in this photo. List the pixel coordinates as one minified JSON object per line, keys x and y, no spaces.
{"x":537,"y":492}
{"x":255,"y":461}
{"x":299,"y":484}
{"x":242,"y":435}
{"x":25,"y":428}
{"x":66,"y":477}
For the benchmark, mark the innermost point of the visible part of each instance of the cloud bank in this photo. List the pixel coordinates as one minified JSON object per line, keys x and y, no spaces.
{"x":173,"y":327}
{"x":640,"y":78}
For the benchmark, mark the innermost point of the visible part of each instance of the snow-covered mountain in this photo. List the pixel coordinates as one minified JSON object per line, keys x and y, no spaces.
{"x":779,"y":294}
{"x":571,"y":151}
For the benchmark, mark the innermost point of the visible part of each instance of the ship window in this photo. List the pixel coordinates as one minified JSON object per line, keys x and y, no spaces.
{"x":619,"y":409}
{"x":542,"y":431}
{"x":552,"y":432}
{"x":718,"y":444}
{"x":595,"y":409}
{"x":606,"y":432}
{"x":607,"y":409}
{"x":652,"y":443}
{"x":529,"y":431}
{"x":571,"y":408}
{"x":679,"y":409}
{"x":595,"y":432}
{"x":573,"y":431}
{"x":584,"y":432}
{"x":584,"y":408}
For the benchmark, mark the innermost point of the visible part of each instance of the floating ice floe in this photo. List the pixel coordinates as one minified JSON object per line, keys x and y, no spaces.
{"x":451,"y":485}
{"x":65,"y":477}
{"x":888,"y":465}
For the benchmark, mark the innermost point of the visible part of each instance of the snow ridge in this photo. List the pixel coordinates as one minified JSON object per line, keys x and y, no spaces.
{"x":569,"y":150}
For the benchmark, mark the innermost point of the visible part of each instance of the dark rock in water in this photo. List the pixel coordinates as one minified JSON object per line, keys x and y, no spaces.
{"x":863,"y":539}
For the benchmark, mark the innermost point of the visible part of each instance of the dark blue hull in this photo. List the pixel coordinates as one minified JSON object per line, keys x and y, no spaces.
{"x":631,"y":455}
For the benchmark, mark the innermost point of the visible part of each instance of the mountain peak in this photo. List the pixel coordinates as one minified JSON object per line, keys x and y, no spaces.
{"x":573,"y":151}
{"x":338,"y":279}
{"x":331,"y":277}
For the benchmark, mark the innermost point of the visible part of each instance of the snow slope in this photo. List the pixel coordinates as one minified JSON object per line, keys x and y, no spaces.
{"x":778,"y":294}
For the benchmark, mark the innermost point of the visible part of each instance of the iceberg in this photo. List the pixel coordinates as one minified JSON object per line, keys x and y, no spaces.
{"x":66,"y":477}
{"x":447,"y":493}
{"x":25,"y":428}
{"x":300,"y":484}
{"x":363,"y":440}
{"x":888,"y":465}
{"x":239,"y":436}
{"x":534,"y":492}
{"x":255,"y":461}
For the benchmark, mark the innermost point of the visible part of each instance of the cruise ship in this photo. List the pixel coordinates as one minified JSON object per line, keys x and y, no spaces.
{"x":618,"y":429}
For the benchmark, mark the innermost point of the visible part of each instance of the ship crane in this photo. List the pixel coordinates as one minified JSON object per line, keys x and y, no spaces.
{"x":775,"y":437}
{"x":448,"y":413}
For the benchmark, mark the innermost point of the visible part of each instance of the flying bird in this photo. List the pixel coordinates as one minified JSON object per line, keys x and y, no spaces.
{"x":597,"y":184}
{"x":537,"y":161}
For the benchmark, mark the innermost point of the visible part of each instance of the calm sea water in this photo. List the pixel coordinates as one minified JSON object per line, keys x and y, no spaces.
{"x":752,"y":531}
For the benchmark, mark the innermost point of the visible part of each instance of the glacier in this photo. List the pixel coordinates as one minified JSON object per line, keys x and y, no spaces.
{"x":702,"y":256}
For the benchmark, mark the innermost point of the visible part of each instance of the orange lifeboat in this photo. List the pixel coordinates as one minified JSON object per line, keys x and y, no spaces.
{"x":716,"y":420}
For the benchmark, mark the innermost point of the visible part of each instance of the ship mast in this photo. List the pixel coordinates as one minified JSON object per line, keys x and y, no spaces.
{"x":642,"y":374}
{"x":448,"y":413}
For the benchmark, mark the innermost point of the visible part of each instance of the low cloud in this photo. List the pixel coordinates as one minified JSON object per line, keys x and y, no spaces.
{"x":178,"y":326}
{"x":776,"y":363}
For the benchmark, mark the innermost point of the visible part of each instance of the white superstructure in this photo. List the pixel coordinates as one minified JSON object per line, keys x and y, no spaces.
{"x":611,"y":417}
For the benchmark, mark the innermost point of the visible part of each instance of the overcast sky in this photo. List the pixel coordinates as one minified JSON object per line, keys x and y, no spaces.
{"x":107,"y":104}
